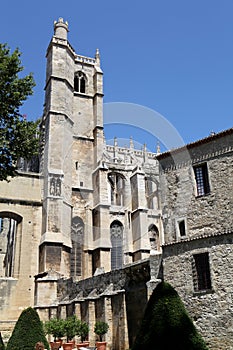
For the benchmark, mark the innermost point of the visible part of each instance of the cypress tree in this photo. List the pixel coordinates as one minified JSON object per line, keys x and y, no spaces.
{"x":27,"y":332}
{"x":166,"y":324}
{"x":2,"y":345}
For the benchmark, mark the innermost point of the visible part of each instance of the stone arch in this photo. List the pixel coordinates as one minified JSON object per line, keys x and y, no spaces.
{"x":77,"y":240}
{"x":10,"y":243}
{"x":153,"y":237}
{"x":116,"y":235}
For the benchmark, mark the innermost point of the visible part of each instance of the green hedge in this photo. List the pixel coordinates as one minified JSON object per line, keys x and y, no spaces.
{"x":166,"y":324}
{"x":27,"y":332}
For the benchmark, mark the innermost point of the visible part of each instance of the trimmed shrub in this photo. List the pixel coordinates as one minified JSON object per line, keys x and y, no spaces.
{"x":55,"y":326}
{"x":2,"y":345}
{"x":27,"y":332}
{"x":166,"y":324}
{"x":100,"y":329}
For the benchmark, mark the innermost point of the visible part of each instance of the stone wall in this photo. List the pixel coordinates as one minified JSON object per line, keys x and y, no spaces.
{"x":212,"y":310}
{"x":118,"y":297}
{"x":207,"y":228}
{"x":204,"y":214}
{"x":20,"y":200}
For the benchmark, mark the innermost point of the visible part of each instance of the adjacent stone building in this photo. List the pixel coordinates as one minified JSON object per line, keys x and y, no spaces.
{"x":95,"y":227}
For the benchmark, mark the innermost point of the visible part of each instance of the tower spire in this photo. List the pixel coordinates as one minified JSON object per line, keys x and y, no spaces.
{"x":61,"y":29}
{"x":97,"y":57}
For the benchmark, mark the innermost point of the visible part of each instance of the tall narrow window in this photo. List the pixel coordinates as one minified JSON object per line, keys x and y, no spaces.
{"x":8,"y":238}
{"x":151,"y":191}
{"x":117,"y":189}
{"x":80,"y":82}
{"x":82,"y":85}
{"x":77,"y":230}
{"x":201,"y":272}
{"x":202,"y":180}
{"x":116,"y":230}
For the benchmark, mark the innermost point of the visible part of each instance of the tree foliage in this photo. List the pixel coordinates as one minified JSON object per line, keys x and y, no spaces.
{"x":166,"y":324}
{"x":101,"y":328}
{"x":27,"y":332}
{"x":17,"y":135}
{"x":55,"y":326}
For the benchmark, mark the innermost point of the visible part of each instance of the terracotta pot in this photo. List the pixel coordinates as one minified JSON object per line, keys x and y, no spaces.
{"x":68,"y":345}
{"x":101,"y":345}
{"x":84,"y":344}
{"x":55,"y":345}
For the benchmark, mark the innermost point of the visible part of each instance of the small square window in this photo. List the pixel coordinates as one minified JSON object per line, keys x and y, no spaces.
{"x":201,"y":272}
{"x":202,"y":179}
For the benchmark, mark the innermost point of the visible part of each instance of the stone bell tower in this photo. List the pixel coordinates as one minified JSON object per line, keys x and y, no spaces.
{"x":73,"y":140}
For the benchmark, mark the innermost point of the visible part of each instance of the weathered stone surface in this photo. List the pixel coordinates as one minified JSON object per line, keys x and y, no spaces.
{"x":99,"y":208}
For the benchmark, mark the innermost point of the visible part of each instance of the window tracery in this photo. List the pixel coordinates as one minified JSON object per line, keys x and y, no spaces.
{"x":116,"y":230}
{"x":77,"y":233}
{"x":8,"y":246}
{"x":80,"y":81}
{"x":117,"y":184}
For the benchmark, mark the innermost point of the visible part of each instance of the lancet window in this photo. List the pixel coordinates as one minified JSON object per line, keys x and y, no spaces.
{"x":80,"y":81}
{"x":117,"y":185}
{"x":116,"y":230}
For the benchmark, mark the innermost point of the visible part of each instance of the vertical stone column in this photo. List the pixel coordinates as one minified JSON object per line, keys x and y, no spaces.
{"x":108,"y":320}
{"x":63,"y":312}
{"x":124,"y":338}
{"x":91,"y":321}
{"x":77,"y":310}
{"x":155,"y":263}
{"x":53,"y":312}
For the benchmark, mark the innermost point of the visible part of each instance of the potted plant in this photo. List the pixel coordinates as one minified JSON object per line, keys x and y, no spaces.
{"x":71,"y":326}
{"x":100,"y":329}
{"x":83,"y":333}
{"x":55,"y":327}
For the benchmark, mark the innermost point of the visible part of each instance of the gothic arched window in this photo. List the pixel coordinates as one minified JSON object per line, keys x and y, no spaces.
{"x":117,"y":184}
{"x":77,"y":232}
{"x":151,"y":191}
{"x":10,"y":242}
{"x":154,"y":237}
{"x":116,"y":230}
{"x":80,"y":82}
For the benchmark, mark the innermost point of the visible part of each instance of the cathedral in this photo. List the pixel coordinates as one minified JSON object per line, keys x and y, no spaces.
{"x":90,"y":229}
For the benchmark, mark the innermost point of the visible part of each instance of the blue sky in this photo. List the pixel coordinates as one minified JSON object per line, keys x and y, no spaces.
{"x":174,"y":57}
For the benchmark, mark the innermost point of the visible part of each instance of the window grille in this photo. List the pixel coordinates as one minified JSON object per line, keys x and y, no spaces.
{"x":202,"y":181}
